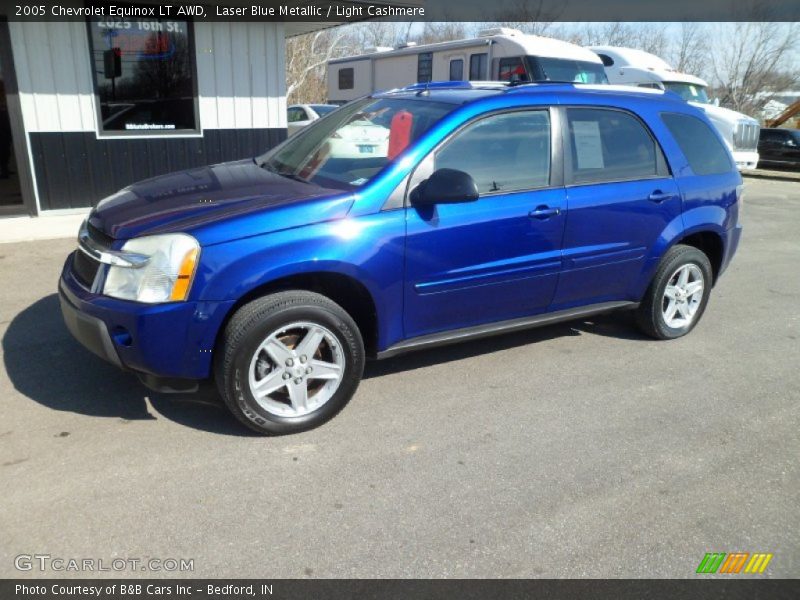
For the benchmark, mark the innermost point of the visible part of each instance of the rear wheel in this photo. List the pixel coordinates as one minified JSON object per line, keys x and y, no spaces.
{"x":289,"y":362}
{"x":678,"y":294}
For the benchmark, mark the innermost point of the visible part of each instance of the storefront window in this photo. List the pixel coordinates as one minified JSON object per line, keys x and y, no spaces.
{"x":144,"y":76}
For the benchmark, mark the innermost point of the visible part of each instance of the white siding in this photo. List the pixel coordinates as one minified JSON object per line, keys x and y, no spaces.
{"x":54,"y":75}
{"x":241,"y":77}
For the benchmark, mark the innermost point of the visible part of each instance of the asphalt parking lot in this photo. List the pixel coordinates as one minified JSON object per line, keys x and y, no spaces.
{"x":576,"y":450}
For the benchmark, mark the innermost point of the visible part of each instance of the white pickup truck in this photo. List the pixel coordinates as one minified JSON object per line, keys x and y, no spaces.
{"x":627,"y":66}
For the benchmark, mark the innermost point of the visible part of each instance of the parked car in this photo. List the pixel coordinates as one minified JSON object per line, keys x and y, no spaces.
{"x":490,"y":209}
{"x":779,"y":147}
{"x":301,"y":115}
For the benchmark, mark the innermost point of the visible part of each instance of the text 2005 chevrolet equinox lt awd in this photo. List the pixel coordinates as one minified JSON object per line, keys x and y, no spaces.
{"x":404,"y":220}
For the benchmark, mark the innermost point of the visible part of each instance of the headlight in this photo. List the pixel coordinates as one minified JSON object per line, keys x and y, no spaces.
{"x":165,"y":277}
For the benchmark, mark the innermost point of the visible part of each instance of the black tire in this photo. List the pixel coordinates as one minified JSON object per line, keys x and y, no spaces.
{"x":649,"y":316}
{"x":251,"y":325}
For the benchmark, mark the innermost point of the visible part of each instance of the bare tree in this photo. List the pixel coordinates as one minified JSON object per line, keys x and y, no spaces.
{"x":306,"y":58}
{"x":690,"y":50}
{"x":751,"y":63}
{"x":373,"y":34}
{"x":535,"y":17}
{"x":441,"y":32}
{"x":650,"y":37}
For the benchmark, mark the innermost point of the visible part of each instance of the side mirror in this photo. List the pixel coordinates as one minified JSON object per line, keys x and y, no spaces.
{"x":445,"y":186}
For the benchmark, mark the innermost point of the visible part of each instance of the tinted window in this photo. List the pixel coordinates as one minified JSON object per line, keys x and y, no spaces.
{"x":562,"y":69}
{"x":144,"y":75}
{"x":477,"y":67}
{"x":769,"y":135}
{"x":700,"y":145}
{"x":346,"y":79}
{"x":609,"y":145}
{"x":513,"y":69}
{"x":424,"y":67}
{"x":503,"y":153}
{"x":296,"y":114}
{"x":456,"y":70}
{"x":607,"y":60}
{"x":688,"y":91}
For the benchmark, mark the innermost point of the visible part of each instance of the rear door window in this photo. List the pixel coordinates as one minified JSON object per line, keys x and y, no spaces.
{"x":700,"y":145}
{"x":610,"y":145}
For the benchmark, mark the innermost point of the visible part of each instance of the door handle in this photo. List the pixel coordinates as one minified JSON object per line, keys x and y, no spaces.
{"x":544,"y":212}
{"x":658,"y":196}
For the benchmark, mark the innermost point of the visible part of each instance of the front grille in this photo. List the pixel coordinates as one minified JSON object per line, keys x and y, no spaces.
{"x":84,"y":268}
{"x":746,"y":136}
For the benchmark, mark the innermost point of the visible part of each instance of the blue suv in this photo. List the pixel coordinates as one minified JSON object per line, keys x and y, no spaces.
{"x":404,"y":220}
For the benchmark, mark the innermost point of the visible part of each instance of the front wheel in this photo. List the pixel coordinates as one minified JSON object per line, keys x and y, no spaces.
{"x":289,"y":362}
{"x":678,"y":294}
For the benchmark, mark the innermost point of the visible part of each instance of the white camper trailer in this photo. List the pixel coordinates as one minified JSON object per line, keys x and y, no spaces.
{"x":627,"y":66}
{"x":499,"y":54}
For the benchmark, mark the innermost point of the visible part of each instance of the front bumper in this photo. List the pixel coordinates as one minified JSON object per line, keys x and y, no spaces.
{"x":745,"y":159}
{"x":173,"y":340}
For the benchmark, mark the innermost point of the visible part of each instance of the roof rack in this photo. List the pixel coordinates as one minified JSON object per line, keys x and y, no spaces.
{"x":453,"y":85}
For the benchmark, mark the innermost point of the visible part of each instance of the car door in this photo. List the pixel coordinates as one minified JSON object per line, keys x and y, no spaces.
{"x":620,"y":198}
{"x":498,"y":257}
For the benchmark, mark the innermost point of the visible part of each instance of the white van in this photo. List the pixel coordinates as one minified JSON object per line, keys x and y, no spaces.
{"x":498,"y":54}
{"x":627,"y":66}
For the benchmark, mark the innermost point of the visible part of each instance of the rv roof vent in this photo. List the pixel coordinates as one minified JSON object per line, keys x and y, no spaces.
{"x":407,"y":45}
{"x":498,"y":31}
{"x":378,"y":49}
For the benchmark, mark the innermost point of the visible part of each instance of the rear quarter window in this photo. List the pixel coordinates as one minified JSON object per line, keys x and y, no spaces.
{"x":700,"y":145}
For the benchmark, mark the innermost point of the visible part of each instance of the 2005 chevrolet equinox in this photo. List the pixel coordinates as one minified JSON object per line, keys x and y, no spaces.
{"x":407,"y":219}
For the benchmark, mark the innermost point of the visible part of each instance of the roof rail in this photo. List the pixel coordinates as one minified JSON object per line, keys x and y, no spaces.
{"x":453,"y":85}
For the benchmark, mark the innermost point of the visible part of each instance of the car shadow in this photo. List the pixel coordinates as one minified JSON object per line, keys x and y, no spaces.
{"x":45,"y":364}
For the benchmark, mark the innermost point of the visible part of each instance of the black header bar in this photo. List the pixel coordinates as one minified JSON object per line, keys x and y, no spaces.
{"x":340,"y":11}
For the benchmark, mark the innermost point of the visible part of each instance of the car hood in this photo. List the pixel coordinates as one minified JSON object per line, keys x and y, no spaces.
{"x":719,"y":113}
{"x":198,"y":200}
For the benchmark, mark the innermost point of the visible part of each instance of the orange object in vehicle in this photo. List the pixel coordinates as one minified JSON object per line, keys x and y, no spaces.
{"x":399,"y":133}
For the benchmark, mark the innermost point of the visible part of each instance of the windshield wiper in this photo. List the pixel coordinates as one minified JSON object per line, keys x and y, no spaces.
{"x":288,"y":174}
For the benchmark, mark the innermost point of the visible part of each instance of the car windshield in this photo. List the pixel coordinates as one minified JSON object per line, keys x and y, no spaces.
{"x":562,"y":69}
{"x":323,"y":109}
{"x":350,"y":146}
{"x":688,"y":91}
